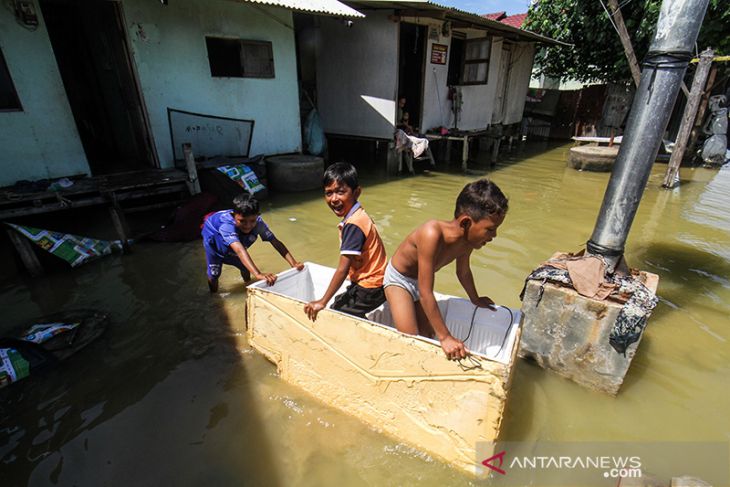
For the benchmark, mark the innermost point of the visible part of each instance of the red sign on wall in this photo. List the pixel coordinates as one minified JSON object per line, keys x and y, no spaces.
{"x":438,"y":53}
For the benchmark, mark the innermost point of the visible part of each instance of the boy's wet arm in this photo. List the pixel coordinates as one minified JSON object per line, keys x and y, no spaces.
{"x":245,"y":258}
{"x":343,"y":268}
{"x":465,"y":276}
{"x":426,"y":274}
{"x":285,"y":253}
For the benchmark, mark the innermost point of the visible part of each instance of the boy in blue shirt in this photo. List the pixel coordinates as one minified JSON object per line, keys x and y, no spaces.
{"x":228,"y":233}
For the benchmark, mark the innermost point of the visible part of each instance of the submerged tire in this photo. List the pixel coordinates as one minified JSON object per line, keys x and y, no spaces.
{"x":294,"y":172}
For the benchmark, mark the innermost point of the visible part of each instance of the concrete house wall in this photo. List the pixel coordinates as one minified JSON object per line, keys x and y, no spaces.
{"x":523,"y":56}
{"x":477,"y":100}
{"x":41,"y":141}
{"x":357,"y":79}
{"x":168,"y":49}
{"x":171,"y":58}
{"x":357,"y":76}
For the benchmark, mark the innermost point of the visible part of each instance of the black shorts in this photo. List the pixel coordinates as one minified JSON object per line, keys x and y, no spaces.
{"x":358,"y":300}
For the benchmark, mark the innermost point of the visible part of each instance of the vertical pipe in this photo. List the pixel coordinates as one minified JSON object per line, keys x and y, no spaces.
{"x":664,"y":67}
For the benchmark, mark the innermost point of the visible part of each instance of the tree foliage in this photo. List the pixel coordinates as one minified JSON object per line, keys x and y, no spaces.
{"x":596,"y":53}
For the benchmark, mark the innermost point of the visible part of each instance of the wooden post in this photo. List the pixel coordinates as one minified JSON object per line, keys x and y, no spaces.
{"x":26,"y":252}
{"x":690,"y":112}
{"x":495,"y":149}
{"x":393,"y":161}
{"x":465,"y":153}
{"x":697,"y":129}
{"x":193,"y":181}
{"x":625,"y":41}
{"x":120,"y":222}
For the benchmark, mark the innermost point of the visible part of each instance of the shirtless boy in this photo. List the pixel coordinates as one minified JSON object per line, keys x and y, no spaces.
{"x":409,"y":276}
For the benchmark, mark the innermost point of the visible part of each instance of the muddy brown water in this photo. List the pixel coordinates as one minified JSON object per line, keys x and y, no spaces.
{"x":172,"y":395}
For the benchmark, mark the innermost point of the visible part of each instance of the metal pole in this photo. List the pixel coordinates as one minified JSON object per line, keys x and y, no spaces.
{"x":664,"y":67}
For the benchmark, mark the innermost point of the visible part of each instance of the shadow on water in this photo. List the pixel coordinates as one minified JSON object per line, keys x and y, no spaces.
{"x":685,"y":271}
{"x":640,"y":365}
{"x":136,"y":405}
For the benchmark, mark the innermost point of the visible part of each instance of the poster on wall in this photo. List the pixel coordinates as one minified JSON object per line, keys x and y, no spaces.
{"x":438,"y":53}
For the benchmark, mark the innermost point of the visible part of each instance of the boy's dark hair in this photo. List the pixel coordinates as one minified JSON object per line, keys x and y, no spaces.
{"x":341,"y":172}
{"x":480,"y":199}
{"x":245,"y":204}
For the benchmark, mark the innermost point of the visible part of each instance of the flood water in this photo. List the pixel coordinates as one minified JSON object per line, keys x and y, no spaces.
{"x":172,"y":395}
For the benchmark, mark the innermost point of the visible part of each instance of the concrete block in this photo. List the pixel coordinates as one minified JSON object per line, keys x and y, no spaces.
{"x":592,"y":158}
{"x":643,"y":481}
{"x":568,"y":333}
{"x":686,"y":481}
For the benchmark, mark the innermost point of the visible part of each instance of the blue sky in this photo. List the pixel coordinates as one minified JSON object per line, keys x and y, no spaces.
{"x":488,"y":6}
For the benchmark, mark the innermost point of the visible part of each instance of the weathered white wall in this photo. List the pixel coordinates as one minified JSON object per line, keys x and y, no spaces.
{"x":41,"y":141}
{"x":476,"y":112}
{"x":357,"y":76}
{"x":477,"y":100}
{"x":168,"y":46}
{"x":436,"y":105}
{"x":523,"y":55}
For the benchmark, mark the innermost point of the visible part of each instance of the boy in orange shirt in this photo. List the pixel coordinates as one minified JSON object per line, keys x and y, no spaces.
{"x":362,"y":254}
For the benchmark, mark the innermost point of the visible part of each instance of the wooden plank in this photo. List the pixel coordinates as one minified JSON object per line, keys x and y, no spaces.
{"x":671,"y":178}
{"x":495,"y":149}
{"x":155,"y":206}
{"x":120,"y":222}
{"x":465,"y":153}
{"x":193,"y":181}
{"x":625,"y":41}
{"x":697,"y":129}
{"x":99,"y":199}
{"x":26,"y":252}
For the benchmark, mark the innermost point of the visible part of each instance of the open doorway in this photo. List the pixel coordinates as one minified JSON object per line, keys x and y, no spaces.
{"x":410,"y":70}
{"x":89,"y":42}
{"x":503,"y":84}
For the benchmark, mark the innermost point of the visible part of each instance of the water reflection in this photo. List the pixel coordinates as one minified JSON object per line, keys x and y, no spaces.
{"x":172,"y":395}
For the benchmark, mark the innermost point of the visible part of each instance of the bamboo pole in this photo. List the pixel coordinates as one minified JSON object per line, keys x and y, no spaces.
{"x":699,"y":81}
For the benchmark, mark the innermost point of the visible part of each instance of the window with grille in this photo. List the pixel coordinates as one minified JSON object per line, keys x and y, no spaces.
{"x":238,"y":58}
{"x":476,"y":61}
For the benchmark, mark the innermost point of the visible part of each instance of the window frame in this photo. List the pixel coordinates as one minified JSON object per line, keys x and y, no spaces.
{"x":476,"y":61}
{"x":268,"y":73}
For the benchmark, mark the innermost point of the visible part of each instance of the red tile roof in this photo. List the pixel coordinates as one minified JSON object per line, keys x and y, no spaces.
{"x":495,"y":15}
{"x":514,"y":20}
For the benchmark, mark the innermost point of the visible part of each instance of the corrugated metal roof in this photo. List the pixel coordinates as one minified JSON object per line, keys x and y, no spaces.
{"x":324,"y":7}
{"x":453,"y":13}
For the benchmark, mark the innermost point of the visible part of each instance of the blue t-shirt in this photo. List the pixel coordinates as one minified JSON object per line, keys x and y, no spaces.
{"x":219,"y":232}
